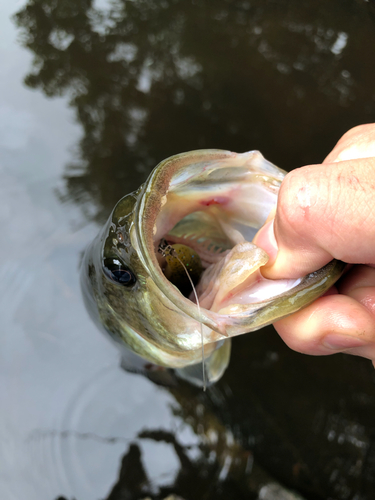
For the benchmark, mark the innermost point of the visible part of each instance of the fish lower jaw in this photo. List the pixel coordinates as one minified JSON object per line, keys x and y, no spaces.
{"x":262,"y":290}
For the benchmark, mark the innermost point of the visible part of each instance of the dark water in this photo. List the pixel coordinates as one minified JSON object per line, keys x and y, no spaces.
{"x":111,"y":89}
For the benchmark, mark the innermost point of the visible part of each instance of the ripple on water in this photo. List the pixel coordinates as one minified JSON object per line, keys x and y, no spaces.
{"x":102,"y":421}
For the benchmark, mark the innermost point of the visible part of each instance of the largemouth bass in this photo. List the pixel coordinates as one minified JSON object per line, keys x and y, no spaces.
{"x":202,"y":209}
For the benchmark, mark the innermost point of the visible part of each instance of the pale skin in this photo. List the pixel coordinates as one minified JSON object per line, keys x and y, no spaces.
{"x":323,"y":212}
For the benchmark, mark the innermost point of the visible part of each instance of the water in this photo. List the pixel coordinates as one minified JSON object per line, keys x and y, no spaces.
{"x":115,"y":88}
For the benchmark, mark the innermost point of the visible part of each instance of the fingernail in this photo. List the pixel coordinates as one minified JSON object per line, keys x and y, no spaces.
{"x":266,"y":239}
{"x":340,"y":342}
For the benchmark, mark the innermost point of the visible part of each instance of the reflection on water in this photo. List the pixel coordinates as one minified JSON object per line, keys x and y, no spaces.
{"x":158,"y":441}
{"x":168,"y":444}
{"x":148,"y":79}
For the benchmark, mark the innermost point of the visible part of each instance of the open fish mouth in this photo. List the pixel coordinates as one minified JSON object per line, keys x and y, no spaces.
{"x":208,"y":205}
{"x":202,"y":209}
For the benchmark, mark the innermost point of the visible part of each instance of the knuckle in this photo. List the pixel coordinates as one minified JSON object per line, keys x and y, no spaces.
{"x":289,"y":328}
{"x":358,"y":133}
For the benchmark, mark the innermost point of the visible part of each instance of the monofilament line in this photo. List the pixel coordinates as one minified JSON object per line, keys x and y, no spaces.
{"x":172,"y":252}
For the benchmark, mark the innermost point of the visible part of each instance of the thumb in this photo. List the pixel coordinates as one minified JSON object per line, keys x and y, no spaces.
{"x":323,"y":212}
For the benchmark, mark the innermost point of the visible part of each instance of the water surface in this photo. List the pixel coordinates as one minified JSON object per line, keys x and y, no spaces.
{"x":110,"y":89}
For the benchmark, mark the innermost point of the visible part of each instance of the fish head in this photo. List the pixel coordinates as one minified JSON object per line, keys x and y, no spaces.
{"x":211,"y":202}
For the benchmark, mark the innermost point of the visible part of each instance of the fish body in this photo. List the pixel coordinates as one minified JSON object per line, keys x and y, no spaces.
{"x":211,"y":202}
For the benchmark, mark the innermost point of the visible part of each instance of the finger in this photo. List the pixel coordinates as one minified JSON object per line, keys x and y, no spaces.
{"x":333,"y":323}
{"x":366,"y":297}
{"x":359,"y":284}
{"x":358,"y":142}
{"x":323,"y":212}
{"x":359,"y":276}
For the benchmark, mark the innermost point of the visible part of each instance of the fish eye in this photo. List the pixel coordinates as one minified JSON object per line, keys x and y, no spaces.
{"x":118,"y":272}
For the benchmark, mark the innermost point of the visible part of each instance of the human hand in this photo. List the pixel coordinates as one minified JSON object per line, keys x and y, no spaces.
{"x":323,"y":212}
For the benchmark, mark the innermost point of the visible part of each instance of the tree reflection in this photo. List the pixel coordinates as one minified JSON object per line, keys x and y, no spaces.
{"x":153,"y":78}
{"x":217,"y":467}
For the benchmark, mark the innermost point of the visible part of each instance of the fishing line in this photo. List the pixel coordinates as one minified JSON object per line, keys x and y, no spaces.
{"x":168,"y":249}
